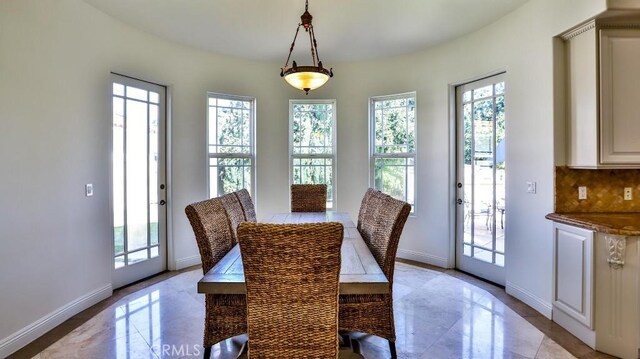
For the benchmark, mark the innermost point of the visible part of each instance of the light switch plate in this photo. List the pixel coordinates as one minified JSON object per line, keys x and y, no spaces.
{"x":531,"y":187}
{"x":88,"y":189}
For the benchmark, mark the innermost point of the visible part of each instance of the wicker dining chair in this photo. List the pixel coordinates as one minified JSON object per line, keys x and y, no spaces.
{"x":292,"y":278}
{"x":234,"y":211}
{"x":225,"y":314}
{"x":367,"y":217}
{"x":308,"y":198}
{"x":373,"y":313}
{"x":247,"y":205}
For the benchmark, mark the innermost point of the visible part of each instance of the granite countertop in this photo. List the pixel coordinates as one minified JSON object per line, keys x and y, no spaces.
{"x":625,"y":224}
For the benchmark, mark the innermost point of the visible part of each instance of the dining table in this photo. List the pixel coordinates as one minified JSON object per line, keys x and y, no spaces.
{"x":359,"y":271}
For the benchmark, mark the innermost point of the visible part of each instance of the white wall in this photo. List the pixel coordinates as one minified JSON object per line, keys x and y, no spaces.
{"x":521,"y":44}
{"x":55,"y":59}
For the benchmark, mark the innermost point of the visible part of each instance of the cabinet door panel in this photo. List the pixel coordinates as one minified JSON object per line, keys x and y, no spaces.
{"x":573,"y":265}
{"x":570,"y":259}
{"x":620,"y":92}
{"x":582,"y":96}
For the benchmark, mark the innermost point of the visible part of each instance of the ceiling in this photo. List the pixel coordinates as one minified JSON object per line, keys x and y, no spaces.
{"x":346,"y":30}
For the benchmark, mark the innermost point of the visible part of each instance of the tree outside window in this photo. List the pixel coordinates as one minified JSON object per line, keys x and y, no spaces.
{"x":393,"y":142}
{"x":312,"y":145}
{"x":230,"y":143}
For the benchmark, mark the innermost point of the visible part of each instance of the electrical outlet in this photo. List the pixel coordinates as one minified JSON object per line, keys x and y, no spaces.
{"x":88,"y":189}
{"x":582,"y":192}
{"x":628,"y":193}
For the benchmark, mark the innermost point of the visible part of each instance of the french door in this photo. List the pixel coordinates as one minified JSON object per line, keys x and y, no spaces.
{"x":481,"y":173}
{"x":138,"y":179}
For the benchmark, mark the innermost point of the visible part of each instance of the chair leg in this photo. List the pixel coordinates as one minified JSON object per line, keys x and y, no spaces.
{"x":392,"y":349}
{"x":207,"y":352}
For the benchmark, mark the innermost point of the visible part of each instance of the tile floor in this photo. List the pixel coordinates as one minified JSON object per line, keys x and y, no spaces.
{"x":437,"y":316}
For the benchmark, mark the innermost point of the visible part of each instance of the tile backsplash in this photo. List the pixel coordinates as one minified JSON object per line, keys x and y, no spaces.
{"x":605,"y":190}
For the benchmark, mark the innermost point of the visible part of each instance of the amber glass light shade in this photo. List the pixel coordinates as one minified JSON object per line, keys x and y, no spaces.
{"x":307,"y":78}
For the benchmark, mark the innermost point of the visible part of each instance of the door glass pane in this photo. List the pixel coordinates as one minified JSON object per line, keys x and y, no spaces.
{"x":469,"y":219}
{"x":137,"y":177}
{"x":138,"y":256}
{"x":118,"y":171}
{"x":153,"y":174}
{"x":154,"y":97}
{"x":118,"y":262}
{"x":118,"y":89}
{"x":483,"y":156}
{"x":136,"y":93}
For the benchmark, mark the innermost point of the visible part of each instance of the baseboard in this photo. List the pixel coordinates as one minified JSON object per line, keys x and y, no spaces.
{"x":187,"y":262}
{"x":529,"y":299}
{"x":583,"y":333}
{"x":33,"y":331}
{"x":423,"y":258}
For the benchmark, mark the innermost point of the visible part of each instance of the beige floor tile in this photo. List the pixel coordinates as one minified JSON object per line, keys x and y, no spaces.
{"x":552,"y":350}
{"x":437,"y":316}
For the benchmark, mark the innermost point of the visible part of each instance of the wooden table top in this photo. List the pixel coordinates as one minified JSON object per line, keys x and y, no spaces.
{"x":359,"y":274}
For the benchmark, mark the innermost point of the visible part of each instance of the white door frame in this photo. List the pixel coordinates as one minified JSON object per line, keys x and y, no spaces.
{"x":496,"y":275}
{"x":148,"y":267}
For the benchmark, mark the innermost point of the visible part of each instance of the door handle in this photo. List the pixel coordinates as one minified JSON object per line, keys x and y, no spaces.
{"x":162,"y":202}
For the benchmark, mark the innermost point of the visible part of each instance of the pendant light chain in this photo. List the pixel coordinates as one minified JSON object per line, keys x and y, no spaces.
{"x":286,"y":64}
{"x":313,"y":53}
{"x":315,"y":45}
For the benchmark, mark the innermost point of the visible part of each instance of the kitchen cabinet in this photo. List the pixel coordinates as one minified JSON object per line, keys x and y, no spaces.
{"x":596,"y":280}
{"x":617,"y":296}
{"x":573,"y":280}
{"x":603,"y":89}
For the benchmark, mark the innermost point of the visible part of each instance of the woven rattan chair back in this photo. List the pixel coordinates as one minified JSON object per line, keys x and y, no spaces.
{"x":225,"y":314}
{"x":234,"y":211}
{"x":382,"y":221}
{"x":390,"y":217}
{"x":247,"y":205}
{"x":292,"y":278}
{"x":370,"y":214}
{"x":308,"y":198}
{"x":211,"y":228}
{"x":364,"y":207}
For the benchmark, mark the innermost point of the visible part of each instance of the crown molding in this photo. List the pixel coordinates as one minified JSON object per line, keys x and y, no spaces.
{"x":578,"y":30}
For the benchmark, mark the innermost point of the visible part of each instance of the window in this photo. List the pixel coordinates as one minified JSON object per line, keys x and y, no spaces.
{"x":312,"y":144}
{"x":393,"y":145}
{"x":230,"y":144}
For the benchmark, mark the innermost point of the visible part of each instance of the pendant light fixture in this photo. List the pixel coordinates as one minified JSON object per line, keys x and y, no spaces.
{"x":306,"y":78}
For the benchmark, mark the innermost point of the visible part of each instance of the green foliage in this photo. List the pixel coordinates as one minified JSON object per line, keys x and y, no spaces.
{"x":230,"y":132}
{"x":312,"y":134}
{"x":394,"y":130}
{"x":395,"y":126}
{"x":391,"y":175}
{"x":118,"y":236}
{"x":233,"y":174}
{"x":478,"y":116}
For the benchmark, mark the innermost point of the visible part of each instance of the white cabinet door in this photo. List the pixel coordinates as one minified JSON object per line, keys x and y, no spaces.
{"x":619,"y":97}
{"x":573,"y":272}
{"x":582,"y":97}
